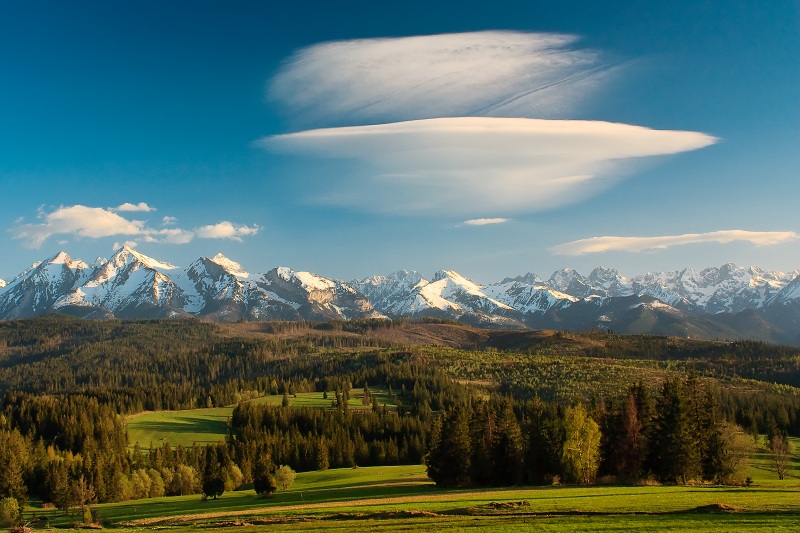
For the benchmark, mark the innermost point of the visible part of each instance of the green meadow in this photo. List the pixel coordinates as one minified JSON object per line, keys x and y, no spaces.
{"x":401,"y":498}
{"x":209,"y":426}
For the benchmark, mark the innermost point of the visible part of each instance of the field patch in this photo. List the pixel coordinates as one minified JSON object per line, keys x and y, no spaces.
{"x":209,"y":426}
{"x":192,"y":426}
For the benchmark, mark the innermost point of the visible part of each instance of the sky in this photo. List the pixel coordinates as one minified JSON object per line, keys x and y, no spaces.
{"x":358,"y":138}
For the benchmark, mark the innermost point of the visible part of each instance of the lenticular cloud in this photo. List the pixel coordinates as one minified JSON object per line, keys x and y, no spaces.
{"x":641,"y":244}
{"x":481,"y":165}
{"x":440,"y":137}
{"x":489,"y":73}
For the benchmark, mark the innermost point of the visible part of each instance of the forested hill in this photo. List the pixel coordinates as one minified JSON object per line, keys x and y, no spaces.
{"x":175,"y":364}
{"x":65,"y":383}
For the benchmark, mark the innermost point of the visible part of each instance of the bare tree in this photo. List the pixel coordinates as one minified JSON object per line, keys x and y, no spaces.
{"x":781,"y":450}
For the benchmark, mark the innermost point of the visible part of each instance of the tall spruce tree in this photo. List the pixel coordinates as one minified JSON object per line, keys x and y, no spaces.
{"x":676,"y":456}
{"x":509,"y":448}
{"x":450,"y":459}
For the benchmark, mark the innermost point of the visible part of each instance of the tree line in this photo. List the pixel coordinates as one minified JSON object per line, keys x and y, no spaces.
{"x":677,"y":435}
{"x":67,"y":385}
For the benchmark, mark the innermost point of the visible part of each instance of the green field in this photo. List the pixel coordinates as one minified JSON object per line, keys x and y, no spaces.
{"x":402,"y":497}
{"x":193,"y":426}
{"x":204,"y":426}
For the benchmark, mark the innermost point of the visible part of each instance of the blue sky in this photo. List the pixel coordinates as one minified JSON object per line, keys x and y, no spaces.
{"x":516,"y":134}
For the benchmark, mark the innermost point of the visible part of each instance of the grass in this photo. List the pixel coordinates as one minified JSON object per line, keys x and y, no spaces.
{"x":401,"y":498}
{"x":192,"y":426}
{"x":203,"y":426}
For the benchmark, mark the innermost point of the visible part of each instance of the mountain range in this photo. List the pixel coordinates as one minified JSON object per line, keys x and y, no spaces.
{"x":726,"y":302}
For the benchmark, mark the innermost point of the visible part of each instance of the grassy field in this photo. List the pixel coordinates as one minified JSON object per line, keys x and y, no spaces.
{"x":401,"y":498}
{"x":203,"y":426}
{"x":193,"y":426}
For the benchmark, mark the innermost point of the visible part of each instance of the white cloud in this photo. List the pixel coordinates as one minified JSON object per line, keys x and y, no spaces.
{"x":226,"y":230}
{"x":497,"y":73}
{"x":641,"y":244}
{"x":481,"y":165}
{"x":141,"y":206}
{"x":168,"y":221}
{"x":77,"y":220}
{"x":96,"y":222}
{"x":129,"y":244}
{"x":174,"y":236}
{"x":484,"y":221}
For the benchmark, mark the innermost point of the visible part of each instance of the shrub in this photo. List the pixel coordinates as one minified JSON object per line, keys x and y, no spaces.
{"x":9,"y":512}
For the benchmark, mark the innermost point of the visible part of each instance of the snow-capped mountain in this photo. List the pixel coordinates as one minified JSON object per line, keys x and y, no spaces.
{"x":789,"y":294}
{"x":387,"y":293}
{"x":528,"y":295}
{"x":37,"y":289}
{"x":725,"y":302}
{"x":727,"y":289}
{"x":131,"y":285}
{"x":315,"y":297}
{"x":448,"y":295}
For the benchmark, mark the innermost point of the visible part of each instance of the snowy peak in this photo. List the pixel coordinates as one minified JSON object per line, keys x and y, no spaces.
{"x":450,"y":292}
{"x":314,"y":296}
{"x":727,"y":289}
{"x":232,"y":267}
{"x":132,"y":285}
{"x":611,"y":282}
{"x":387,"y":293}
{"x":789,"y":294}
{"x":36,"y":290}
{"x":529,"y":279}
{"x":528,"y":295}
{"x":126,"y":256}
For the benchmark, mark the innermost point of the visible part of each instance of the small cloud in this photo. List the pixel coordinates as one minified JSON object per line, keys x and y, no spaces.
{"x":141,"y":206}
{"x":480,"y":165}
{"x":174,"y":236}
{"x":129,"y":244}
{"x":168,"y":221}
{"x":484,"y":221}
{"x":641,"y":244}
{"x":226,"y":230}
{"x":96,"y":222}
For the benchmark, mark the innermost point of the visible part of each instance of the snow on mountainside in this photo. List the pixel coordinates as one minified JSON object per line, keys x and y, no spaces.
{"x":789,"y":294}
{"x":35,"y":290}
{"x":407,"y":294}
{"x":717,"y":302}
{"x":729,"y":288}
{"x":388,"y":292}
{"x":315,"y":297}
{"x":610,"y":283}
{"x":447,"y":295}
{"x":232,"y":267}
{"x":527,"y":295}
{"x":128,"y":285}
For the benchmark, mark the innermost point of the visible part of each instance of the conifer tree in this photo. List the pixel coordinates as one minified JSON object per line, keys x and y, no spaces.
{"x":676,"y":457}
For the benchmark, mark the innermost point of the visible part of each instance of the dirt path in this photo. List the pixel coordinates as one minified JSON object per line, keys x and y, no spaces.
{"x":307,"y":506}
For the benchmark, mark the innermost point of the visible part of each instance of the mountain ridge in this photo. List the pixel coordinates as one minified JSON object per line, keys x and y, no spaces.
{"x":729,"y":301}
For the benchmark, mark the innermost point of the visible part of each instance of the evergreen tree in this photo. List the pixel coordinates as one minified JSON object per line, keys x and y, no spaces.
{"x":450,"y":459}
{"x":676,"y":457}
{"x":263,"y":475}
{"x":509,"y":449}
